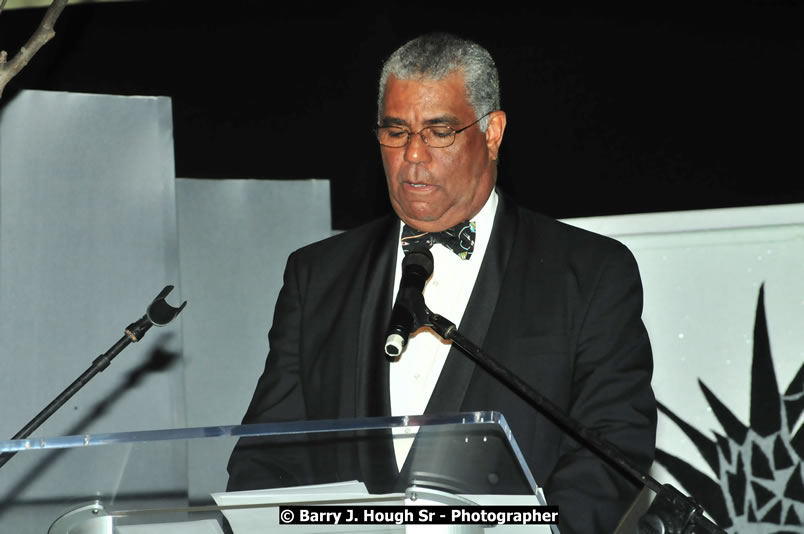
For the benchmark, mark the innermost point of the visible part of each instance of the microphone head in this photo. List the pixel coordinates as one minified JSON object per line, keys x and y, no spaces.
{"x":394,"y":345}
{"x":421,"y":257}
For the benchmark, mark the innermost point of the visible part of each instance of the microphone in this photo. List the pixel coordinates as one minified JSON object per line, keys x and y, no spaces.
{"x":416,"y":269}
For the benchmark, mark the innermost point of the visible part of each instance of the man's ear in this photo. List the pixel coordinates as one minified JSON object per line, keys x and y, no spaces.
{"x":494,"y":133}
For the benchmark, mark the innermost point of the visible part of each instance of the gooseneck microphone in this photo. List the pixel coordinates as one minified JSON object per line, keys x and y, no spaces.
{"x":416,"y":269}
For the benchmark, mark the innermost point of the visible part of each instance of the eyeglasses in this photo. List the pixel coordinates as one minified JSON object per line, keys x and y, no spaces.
{"x":439,"y":136}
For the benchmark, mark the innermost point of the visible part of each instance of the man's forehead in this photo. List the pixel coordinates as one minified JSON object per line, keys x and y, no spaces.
{"x":454,"y":80}
{"x":434,"y":101}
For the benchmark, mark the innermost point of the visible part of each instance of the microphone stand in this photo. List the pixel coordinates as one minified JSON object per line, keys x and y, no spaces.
{"x":159,"y":313}
{"x":671,"y":511}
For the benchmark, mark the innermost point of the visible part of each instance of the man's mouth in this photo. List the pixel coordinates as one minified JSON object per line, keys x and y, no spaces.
{"x":419,"y":187}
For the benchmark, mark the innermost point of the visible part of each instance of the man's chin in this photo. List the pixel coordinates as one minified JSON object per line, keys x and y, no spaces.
{"x":417,"y":213}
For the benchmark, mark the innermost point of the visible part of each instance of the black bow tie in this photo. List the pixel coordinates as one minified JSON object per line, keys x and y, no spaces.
{"x":460,"y":239}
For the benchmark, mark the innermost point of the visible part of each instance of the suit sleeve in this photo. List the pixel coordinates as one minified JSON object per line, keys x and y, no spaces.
{"x":611,"y":395}
{"x":258,"y":462}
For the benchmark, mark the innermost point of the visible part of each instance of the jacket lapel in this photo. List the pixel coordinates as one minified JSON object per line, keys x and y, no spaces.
{"x":372,"y":369}
{"x":375,"y":449}
{"x":454,"y":381}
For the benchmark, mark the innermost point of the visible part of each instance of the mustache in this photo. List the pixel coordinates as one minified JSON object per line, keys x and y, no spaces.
{"x":415,"y":174}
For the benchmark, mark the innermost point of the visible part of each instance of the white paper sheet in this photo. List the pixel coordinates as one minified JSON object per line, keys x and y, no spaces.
{"x":265,"y":519}
{"x":207,"y":526}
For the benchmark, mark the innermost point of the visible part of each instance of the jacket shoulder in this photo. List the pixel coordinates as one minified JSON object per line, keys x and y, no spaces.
{"x":565,"y":240}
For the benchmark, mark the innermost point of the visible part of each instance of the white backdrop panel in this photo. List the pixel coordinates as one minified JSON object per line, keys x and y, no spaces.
{"x":87,"y":239}
{"x":235,"y":238}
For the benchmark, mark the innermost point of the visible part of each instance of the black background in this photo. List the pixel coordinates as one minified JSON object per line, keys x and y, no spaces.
{"x":626,"y":112}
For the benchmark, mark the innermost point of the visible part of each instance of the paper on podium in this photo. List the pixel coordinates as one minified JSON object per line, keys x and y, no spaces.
{"x":207,"y":526}
{"x":263,"y":514}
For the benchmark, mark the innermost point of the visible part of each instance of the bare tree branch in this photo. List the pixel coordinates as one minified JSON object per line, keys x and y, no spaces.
{"x":43,"y":34}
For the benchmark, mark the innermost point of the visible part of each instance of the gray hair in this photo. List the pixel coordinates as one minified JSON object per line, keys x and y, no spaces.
{"x":434,"y":56}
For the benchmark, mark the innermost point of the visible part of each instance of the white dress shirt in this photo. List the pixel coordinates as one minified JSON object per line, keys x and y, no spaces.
{"x":413,"y":377}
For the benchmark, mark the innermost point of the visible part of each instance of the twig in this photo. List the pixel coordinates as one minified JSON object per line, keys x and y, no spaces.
{"x":43,"y":34}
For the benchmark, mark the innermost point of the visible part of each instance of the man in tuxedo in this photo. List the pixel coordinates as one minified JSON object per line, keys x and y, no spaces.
{"x":558,"y":306}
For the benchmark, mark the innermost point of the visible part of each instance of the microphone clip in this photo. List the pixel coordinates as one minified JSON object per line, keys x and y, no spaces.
{"x":159,"y":313}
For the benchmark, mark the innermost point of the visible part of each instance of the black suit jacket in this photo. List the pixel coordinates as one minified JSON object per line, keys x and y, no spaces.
{"x":559,"y":306}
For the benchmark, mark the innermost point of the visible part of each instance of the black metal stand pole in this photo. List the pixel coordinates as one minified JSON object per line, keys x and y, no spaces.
{"x":159,"y":313}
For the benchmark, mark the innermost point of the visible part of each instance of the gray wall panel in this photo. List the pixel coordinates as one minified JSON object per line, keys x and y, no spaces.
{"x":235,"y":238}
{"x":87,"y":239}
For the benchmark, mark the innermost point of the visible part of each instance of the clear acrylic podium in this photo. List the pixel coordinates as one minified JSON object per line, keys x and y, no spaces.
{"x":122,"y":482}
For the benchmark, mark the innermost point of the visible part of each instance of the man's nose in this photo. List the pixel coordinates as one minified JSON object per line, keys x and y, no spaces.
{"x":417,"y":151}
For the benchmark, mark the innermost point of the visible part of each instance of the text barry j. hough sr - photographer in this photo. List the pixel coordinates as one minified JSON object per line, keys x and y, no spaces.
{"x":412,"y":515}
